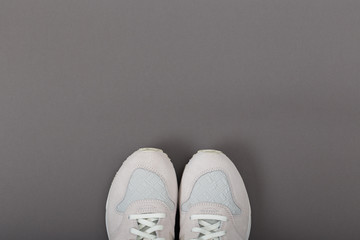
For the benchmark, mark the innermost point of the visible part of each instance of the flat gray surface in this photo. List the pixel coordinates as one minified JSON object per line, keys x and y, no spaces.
{"x":274,"y":84}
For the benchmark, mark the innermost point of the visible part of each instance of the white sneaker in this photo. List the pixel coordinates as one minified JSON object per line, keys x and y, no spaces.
{"x":213,"y":200}
{"x":142,"y":199}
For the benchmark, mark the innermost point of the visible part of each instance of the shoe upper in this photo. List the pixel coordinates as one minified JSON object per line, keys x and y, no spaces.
{"x":213,"y":200}
{"x":145,"y":184}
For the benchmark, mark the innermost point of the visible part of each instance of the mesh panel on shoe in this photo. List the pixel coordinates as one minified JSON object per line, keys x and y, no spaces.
{"x":144,"y":185}
{"x":212,"y":187}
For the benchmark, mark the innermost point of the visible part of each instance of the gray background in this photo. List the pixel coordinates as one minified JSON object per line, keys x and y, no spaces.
{"x":274,"y":84}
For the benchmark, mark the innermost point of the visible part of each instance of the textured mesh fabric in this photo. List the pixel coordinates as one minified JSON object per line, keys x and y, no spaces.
{"x":145,"y":185}
{"x":212,"y":187}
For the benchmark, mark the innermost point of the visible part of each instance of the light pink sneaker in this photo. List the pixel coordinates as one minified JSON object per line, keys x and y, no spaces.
{"x":213,"y":200}
{"x":143,"y":197}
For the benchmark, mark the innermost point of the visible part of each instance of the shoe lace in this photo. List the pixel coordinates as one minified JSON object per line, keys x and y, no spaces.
{"x":210,"y":226}
{"x":147,"y":225}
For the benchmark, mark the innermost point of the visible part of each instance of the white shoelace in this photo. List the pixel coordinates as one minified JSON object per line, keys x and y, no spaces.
{"x":210,"y":226}
{"x":147,"y":226}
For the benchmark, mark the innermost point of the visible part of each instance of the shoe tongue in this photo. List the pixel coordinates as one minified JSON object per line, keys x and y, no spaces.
{"x":146,"y":228}
{"x":210,"y":221}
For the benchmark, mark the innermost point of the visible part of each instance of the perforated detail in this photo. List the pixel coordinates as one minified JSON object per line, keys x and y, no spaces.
{"x":145,"y":185}
{"x":212,"y":187}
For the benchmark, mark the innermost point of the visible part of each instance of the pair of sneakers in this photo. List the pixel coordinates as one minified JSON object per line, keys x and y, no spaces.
{"x":142,"y":201}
